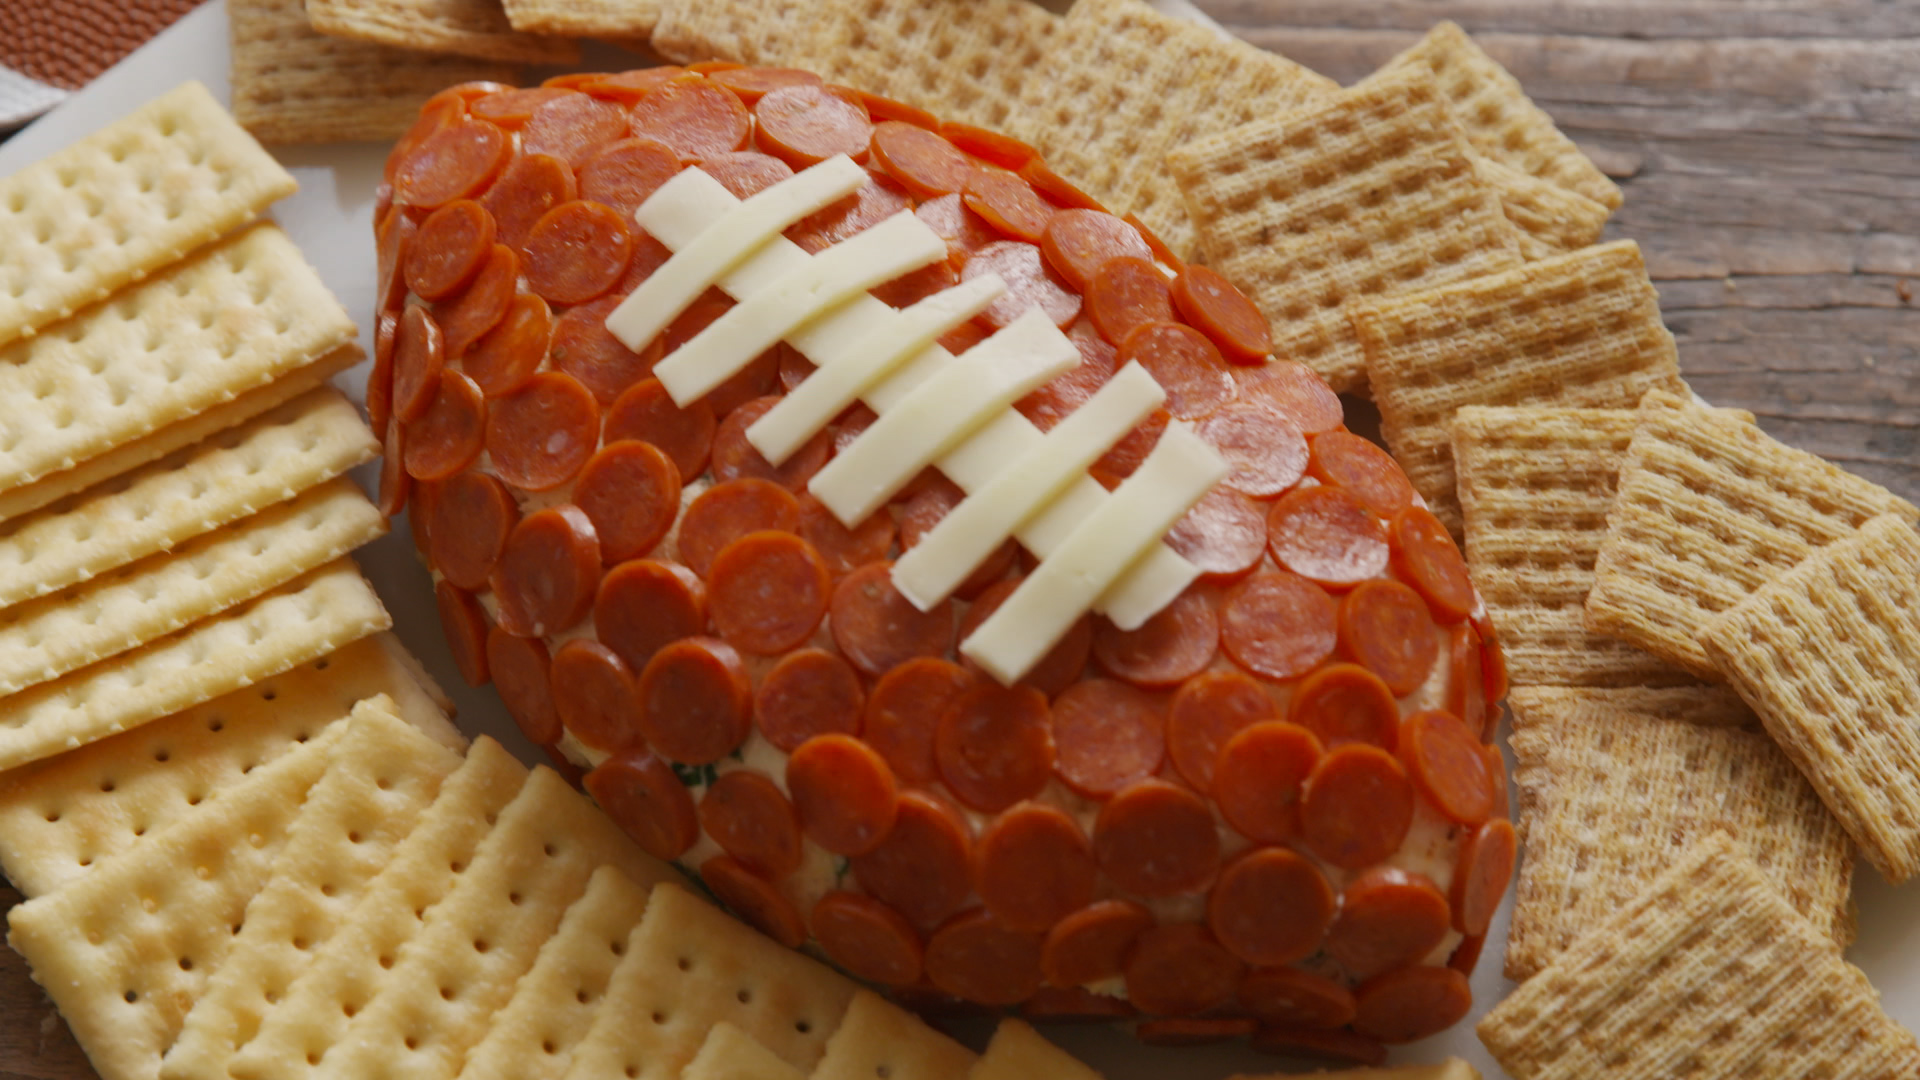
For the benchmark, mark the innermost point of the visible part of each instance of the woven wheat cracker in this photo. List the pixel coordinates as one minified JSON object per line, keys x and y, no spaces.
{"x":476,"y":28}
{"x":1829,"y":655}
{"x":300,"y":621}
{"x":1710,"y":509}
{"x":532,"y":1037}
{"x":617,"y":19}
{"x":1450,"y":1069}
{"x":763,"y":32}
{"x":293,"y":84}
{"x":1612,"y":797}
{"x":124,"y":202}
{"x":1581,"y":329}
{"x":1123,"y":84}
{"x":62,"y":816}
{"x":124,"y":951}
{"x":878,"y":1038}
{"x":1319,"y":210}
{"x":1017,"y":1052}
{"x":690,"y":965}
{"x":343,"y":975}
{"x":732,"y":1054}
{"x":1706,"y":975}
{"x":1502,"y":121}
{"x":1552,"y":219}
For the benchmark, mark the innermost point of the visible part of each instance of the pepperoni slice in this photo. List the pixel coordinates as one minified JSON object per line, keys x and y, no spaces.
{"x":885,"y":108}
{"x":696,"y":701}
{"x":977,"y":957}
{"x":990,"y":146}
{"x":1386,"y":626}
{"x":1481,"y":876}
{"x":746,"y":173}
{"x":1206,"y":712}
{"x":1267,"y":453}
{"x":844,"y":549}
{"x":1357,"y":806}
{"x":1187,"y":365}
{"x":594,"y":693}
{"x":1090,"y":944}
{"x":1497,"y":767}
{"x":994,"y":746}
{"x":1466,"y":695}
{"x":1107,"y":735}
{"x":1033,"y":867}
{"x":1493,"y":669}
{"x":877,"y":200}
{"x":1057,"y":398}
{"x":735,"y":457}
{"x":726,"y":512}
{"x":440,"y":110}
{"x":520,"y":671}
{"x":395,"y":482}
{"x":1179,"y":969}
{"x":628,"y":87}
{"x":1007,"y":203}
{"x":1443,"y":756}
{"x":447,"y":437}
{"x":960,"y":227}
{"x":531,"y":186}
{"x":1388,"y":918}
{"x":1056,"y":190}
{"x":506,"y":357}
{"x":868,"y":939}
{"x":1080,"y":244}
{"x":449,"y":248}
{"x":768,"y":590}
{"x":1193,"y":1030}
{"x":513,"y":108}
{"x":1223,"y":313}
{"x":1030,"y":283}
{"x":643,"y":796}
{"x":806,"y":124}
{"x":457,"y":161}
{"x":916,"y":285}
{"x":1064,"y":662}
{"x":928,"y":508}
{"x":624,"y":174}
{"x":1361,"y":469}
{"x":1257,"y":779}
{"x":1156,"y":839}
{"x":547,"y":572}
{"x":572,"y":127}
{"x":876,"y":627}
{"x":1125,"y":294}
{"x":419,"y":351}
{"x":1289,"y":996}
{"x":757,"y":901}
{"x":693,"y":118}
{"x":1278,"y":625}
{"x":1346,"y":703}
{"x":1412,"y":1003}
{"x":809,"y":692}
{"x":464,"y":623}
{"x":1326,"y":1044}
{"x":1292,"y":388}
{"x":577,"y":251}
{"x":643,"y":606}
{"x":386,"y":335}
{"x":1426,"y":555}
{"x":1326,"y":535}
{"x":1466,"y":955}
{"x":647,"y":413}
{"x":631,"y":493}
{"x":750,"y":84}
{"x":1224,"y":535}
{"x":467,"y":317}
{"x":903,"y":711}
{"x":844,"y":793}
{"x":923,"y":867}
{"x":471,"y":520}
{"x":540,"y":437}
{"x":1270,"y":907}
{"x":926,"y":164}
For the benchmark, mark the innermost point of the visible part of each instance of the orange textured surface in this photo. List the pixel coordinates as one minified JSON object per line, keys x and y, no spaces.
{"x":66,"y":43}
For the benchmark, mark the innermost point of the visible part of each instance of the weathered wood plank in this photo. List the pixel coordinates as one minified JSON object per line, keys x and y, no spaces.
{"x":34,"y":1042}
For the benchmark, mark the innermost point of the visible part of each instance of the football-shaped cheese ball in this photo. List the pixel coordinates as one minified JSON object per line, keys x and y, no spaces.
{"x":1271,"y":805}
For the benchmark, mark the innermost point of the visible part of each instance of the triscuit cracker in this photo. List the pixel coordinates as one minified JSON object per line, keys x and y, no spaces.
{"x":1710,"y":509}
{"x":732,"y":1054}
{"x":476,"y":28}
{"x":1829,"y":655}
{"x":1707,"y":975}
{"x":532,"y":1037}
{"x":1123,"y":84}
{"x":301,"y":621}
{"x":878,"y":1038}
{"x":292,"y":84}
{"x":1502,"y":121}
{"x":1581,"y":329}
{"x":1611,"y":797}
{"x":1552,"y":219}
{"x":1319,"y":210}
{"x":125,"y":950}
{"x":690,"y":965}
{"x":124,"y":202}
{"x":1017,"y":1052}
{"x":763,"y":32}
{"x":617,"y":19}
{"x":65,"y":815}
{"x":1450,"y":1069}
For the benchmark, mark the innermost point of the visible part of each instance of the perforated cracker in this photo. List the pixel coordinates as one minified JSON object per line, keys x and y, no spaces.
{"x":879,"y":1038}
{"x":124,"y":951}
{"x":1581,"y":329}
{"x":476,"y":28}
{"x":1552,"y":219}
{"x":292,"y":84}
{"x":731,"y":1054}
{"x":124,"y":202}
{"x":765,"y":32}
{"x":1829,"y":655}
{"x":1319,"y":210}
{"x":533,"y":1036}
{"x":300,"y":621}
{"x":1709,"y":510}
{"x":1502,"y":121}
{"x":1450,"y":1069}
{"x":64,"y":815}
{"x":1612,"y":797}
{"x":1706,"y":975}
{"x":1018,"y":1052}
{"x":690,"y":965}
{"x":617,"y":19}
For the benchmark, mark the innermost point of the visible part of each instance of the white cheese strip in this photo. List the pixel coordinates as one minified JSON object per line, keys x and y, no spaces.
{"x":963,"y":539}
{"x":1181,"y":469}
{"x":875,"y":256}
{"x":722,"y":241}
{"x":932,"y":419}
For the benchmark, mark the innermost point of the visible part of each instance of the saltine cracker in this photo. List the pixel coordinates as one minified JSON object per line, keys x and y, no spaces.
{"x":878,"y":1038}
{"x":475,"y":28}
{"x":732,"y":1054}
{"x":1017,"y":1052}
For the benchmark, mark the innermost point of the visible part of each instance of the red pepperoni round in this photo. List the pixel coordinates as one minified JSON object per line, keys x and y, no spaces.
{"x":693,"y":118}
{"x":380,"y":380}
{"x":768,"y":591}
{"x":419,"y":351}
{"x":758,"y":902}
{"x":625,"y":174}
{"x":916,"y":285}
{"x":464,"y":623}
{"x":395,"y":482}
{"x":468,"y":316}
{"x":576,"y":251}
{"x":809,"y":692}
{"x":1266,"y":452}
{"x":735,"y":457}
{"x":1357,"y":806}
{"x":1090,"y":945}
{"x":513,"y":108}
{"x":540,"y":437}
{"x":750,"y":84}
{"x":1193,"y":1030}
{"x":877,"y":200}
{"x":1497,"y":767}
{"x":1107,"y":735}
{"x":1289,"y":996}
{"x":1387,"y":627}
{"x":547,"y":572}
{"x":994,"y":746}
{"x":1326,"y":536}
{"x":1125,"y":294}
{"x":447,"y":251}
{"x":1206,"y":712}
{"x":1270,"y":907}
{"x":643,"y":796}
{"x":1443,"y":756}
{"x":844,"y":793}
{"x":1224,"y":535}
{"x":1177,"y":642}
{"x":990,"y":146}
{"x":631,"y":493}
{"x":520,"y":674}
{"x":1062,"y":664}
{"x":1481,"y":876}
{"x":647,"y":413}
{"x":572,"y":128}
{"x":1346,"y":703}
{"x":696,"y":701}
{"x":905,"y":708}
{"x":1362,"y":470}
{"x":452,"y":431}
{"x":928,"y":165}
{"x":1033,"y":867}
{"x":1080,"y":244}
{"x":1466,"y":696}
{"x":471,"y":520}
{"x":440,"y":110}
{"x":1325,"y":1044}
{"x":594,"y":693}
{"x":1388,"y":917}
{"x":1156,"y":839}
{"x":806,"y":124}
{"x":531,"y":186}
{"x":726,"y":512}
{"x":1295,"y":391}
{"x":1056,"y":399}
{"x":1426,"y":555}
{"x":879,"y":629}
{"x":505,"y":358}
{"x":1007,"y":203}
{"x":1278,"y":625}
{"x":1257,"y":779}
{"x":643,"y":606}
{"x":1178,"y":970}
{"x":1412,"y":1003}
{"x":457,"y":161}
{"x":884,"y":108}
{"x":1223,"y":313}
{"x":628,"y":87}
{"x":746,"y":173}
{"x":923,"y":868}
{"x":977,"y":957}
{"x":1030,"y":283}
{"x":1056,"y":190}
{"x":926,"y":509}
{"x":960,"y":227}
{"x":1466,"y":955}
{"x":1186,"y":365}
{"x":845,"y":550}
{"x":868,"y":939}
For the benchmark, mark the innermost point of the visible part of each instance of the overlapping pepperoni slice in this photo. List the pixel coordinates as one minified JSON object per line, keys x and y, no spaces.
{"x":1411,"y":1003}
{"x":1278,"y":625}
{"x":809,"y":692}
{"x":926,"y":164}
{"x":1481,"y":876}
{"x":464,"y":622}
{"x":506,"y":357}
{"x":450,"y":434}
{"x":804,"y":124}
{"x":1326,"y":536}
{"x":1033,"y":867}
{"x":1223,"y":313}
{"x":1258,"y":778}
{"x":624,"y":174}
{"x":456,"y":161}
{"x":746,"y":173}
{"x":1007,"y":203}
{"x":520,"y":670}
{"x":1126,"y":293}
{"x":1080,"y":243}
{"x":1296,"y":998}
{"x":1270,"y":907}
{"x":594,"y":693}
{"x":1426,"y":555}
{"x":1030,"y":283}
{"x":1179,"y":969}
{"x":547,"y":572}
{"x":1294,"y":390}
{"x":1206,"y":712}
{"x":419,"y":351}
{"x":1362,"y":470}
{"x":1388,"y":918}
{"x":744,"y":812}
{"x":1265,"y":452}
{"x":1091,"y":944}
{"x":644,"y":605}
{"x":993,"y":746}
{"x":735,"y":457}
{"x":467,"y":316}
{"x":844,"y":793}
{"x":845,"y":550}
{"x":768,"y":591}
{"x":693,"y":118}
{"x":904,"y":710}
{"x":1224,"y":535}
{"x":576,"y":251}
{"x":1346,"y":703}
{"x":646,"y":412}
{"x":977,"y":957}
{"x":1185,"y":364}
{"x":449,"y":249}
{"x":641,"y":793}
{"x":1444,"y":759}
{"x":471,"y":520}
{"x":1177,"y":642}
{"x":1107,"y":735}
{"x":631,"y":493}
{"x":867,"y":938}
{"x":531,"y":186}
{"x":1157,"y":839}
{"x":726,"y":512}
{"x":572,"y":127}
{"x":877,"y":200}
{"x":1357,"y":806}
{"x":923,"y":868}
{"x":696,"y":701}
{"x":1386,"y":626}
{"x":877,"y":628}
